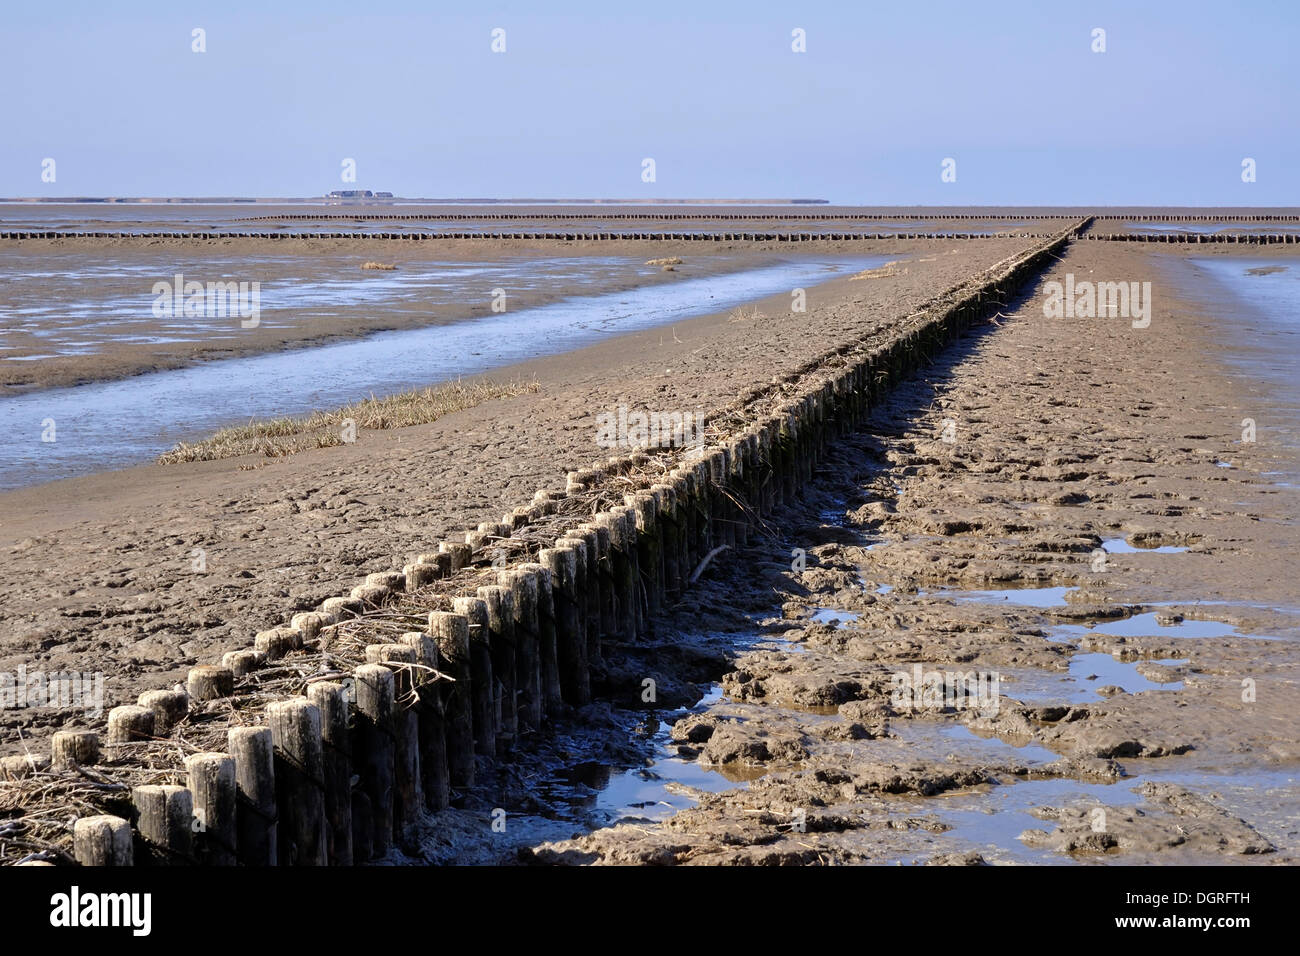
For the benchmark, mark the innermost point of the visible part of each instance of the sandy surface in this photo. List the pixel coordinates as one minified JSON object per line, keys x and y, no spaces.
{"x":1067,"y":434}
{"x":102,"y":565}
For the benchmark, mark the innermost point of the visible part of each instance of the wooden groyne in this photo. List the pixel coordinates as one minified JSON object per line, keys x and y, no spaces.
{"x":560,"y":236}
{"x":1199,"y":238}
{"x":332,"y":735}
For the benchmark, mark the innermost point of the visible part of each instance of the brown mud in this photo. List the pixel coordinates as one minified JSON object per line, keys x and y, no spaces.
{"x":102,"y":567}
{"x":1066,"y":435}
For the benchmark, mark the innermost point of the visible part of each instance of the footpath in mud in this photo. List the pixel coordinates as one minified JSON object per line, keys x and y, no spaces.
{"x":1040,"y":611}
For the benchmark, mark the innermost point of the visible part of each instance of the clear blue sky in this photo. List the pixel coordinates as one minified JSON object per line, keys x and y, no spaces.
{"x":711,"y":91}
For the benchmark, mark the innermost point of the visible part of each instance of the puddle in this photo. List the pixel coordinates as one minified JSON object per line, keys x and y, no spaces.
{"x":998,"y":815}
{"x":1101,"y":670}
{"x":827,"y":615}
{"x":114,"y":424}
{"x":1120,"y":546}
{"x":1024,"y":597}
{"x":1146,"y":625}
{"x":1029,"y":752}
{"x":601,"y":795}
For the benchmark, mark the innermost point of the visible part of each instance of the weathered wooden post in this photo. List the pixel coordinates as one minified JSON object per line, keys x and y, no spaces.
{"x":211,"y":780}
{"x":165,"y":817}
{"x":482,"y":681}
{"x":255,"y":815}
{"x":666,"y":510}
{"x":548,"y":666}
{"x":605,"y":579}
{"x":579,"y":547}
{"x":102,"y":841}
{"x":724,"y":530}
{"x":501,"y":630}
{"x":126,"y":725}
{"x":649,"y":551}
{"x":209,"y":682}
{"x":562,"y":562}
{"x":169,"y":707}
{"x":299,"y":769}
{"x":374,"y":749}
{"x":736,"y":484}
{"x":430,"y":712}
{"x":450,"y":632}
{"x":408,"y":795}
{"x":74,"y":748}
{"x":332,"y":701}
{"x":524,"y":588}
{"x":622,"y":582}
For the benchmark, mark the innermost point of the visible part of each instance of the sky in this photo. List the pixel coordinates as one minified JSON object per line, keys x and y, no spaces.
{"x":713,"y":93}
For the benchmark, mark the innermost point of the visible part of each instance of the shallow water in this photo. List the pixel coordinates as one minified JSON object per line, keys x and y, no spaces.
{"x":108,"y":300}
{"x":115,"y":424}
{"x":1120,"y":546}
{"x":1146,"y":625}
{"x":1024,"y":597}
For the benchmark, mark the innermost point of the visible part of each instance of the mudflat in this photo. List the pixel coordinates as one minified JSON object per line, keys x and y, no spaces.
{"x":1047,"y":613}
{"x":106,"y":561}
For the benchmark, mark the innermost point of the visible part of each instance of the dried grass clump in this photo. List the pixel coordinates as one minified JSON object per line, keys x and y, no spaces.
{"x":665,"y":261}
{"x":384,"y":266}
{"x":285,"y":436}
{"x":886,"y":271}
{"x":746,"y":314}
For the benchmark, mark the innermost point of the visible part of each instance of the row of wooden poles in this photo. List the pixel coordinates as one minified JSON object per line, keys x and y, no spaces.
{"x":413,"y":721}
{"x":1271,"y":238}
{"x":563,"y":236}
{"x":512,"y":217}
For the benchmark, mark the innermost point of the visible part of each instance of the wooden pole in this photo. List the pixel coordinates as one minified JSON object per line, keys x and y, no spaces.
{"x":431,"y":719}
{"x":165,"y":816}
{"x":102,"y":841}
{"x":299,"y":776}
{"x":450,"y":632}
{"x":562,"y":562}
{"x":255,"y":813}
{"x":548,"y":668}
{"x":210,"y":681}
{"x":331,"y":700}
{"x":621,"y":589}
{"x":126,"y":725}
{"x":579,"y":595}
{"x":169,"y":707}
{"x":74,"y":748}
{"x":211,"y":779}
{"x":649,"y":552}
{"x":605,"y":580}
{"x":666,"y":509}
{"x":501,"y":631}
{"x":482,"y":681}
{"x":524,"y":588}
{"x":374,"y":749}
{"x":591,"y":585}
{"x":408,"y":791}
